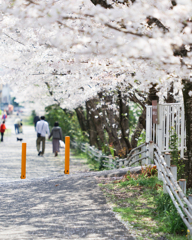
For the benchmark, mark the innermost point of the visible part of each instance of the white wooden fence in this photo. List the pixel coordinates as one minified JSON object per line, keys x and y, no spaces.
{"x":104,"y":161}
{"x":150,"y":153}
{"x":138,"y":156}
{"x":177,"y":192}
{"x":170,"y":116}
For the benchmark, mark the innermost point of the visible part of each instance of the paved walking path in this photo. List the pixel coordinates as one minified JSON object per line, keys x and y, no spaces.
{"x":49,"y":204}
{"x":48,"y":165}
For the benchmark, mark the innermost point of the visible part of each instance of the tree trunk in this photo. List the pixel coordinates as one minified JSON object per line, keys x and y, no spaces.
{"x":141,"y":124}
{"x":97,"y":121}
{"x":91,"y":127}
{"x":81,"y":118}
{"x":112,"y":126}
{"x":187,"y":86}
{"x":124,"y":121}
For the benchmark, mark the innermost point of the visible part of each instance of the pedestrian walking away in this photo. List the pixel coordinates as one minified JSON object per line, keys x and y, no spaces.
{"x":42,"y":129}
{"x":2,"y":130}
{"x":17,"y":124}
{"x":57,"y":135}
{"x":4,"y":116}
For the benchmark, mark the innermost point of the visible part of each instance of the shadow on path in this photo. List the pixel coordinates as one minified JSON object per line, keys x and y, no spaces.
{"x":52,"y":207}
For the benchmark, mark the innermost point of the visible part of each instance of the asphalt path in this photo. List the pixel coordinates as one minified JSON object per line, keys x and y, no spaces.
{"x":36,"y":166}
{"x":48,"y":204}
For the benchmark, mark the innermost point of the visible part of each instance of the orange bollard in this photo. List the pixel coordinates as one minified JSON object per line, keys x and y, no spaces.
{"x":23,"y":161}
{"x":67,"y":154}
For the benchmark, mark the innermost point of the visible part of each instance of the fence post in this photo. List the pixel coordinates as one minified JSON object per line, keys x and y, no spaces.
{"x":125,"y":162}
{"x":67,"y":154}
{"x":182,"y":184}
{"x":148,"y":123}
{"x":143,"y":162}
{"x":160,"y":127}
{"x":116,"y":163}
{"x":23,"y":161}
{"x":190,"y":210}
{"x":182,"y":131}
{"x":167,"y":158}
{"x":86,"y":148}
{"x":174,"y":171}
{"x":159,"y":176}
{"x":120,"y":164}
{"x":110,"y":161}
{"x":151,"y":152}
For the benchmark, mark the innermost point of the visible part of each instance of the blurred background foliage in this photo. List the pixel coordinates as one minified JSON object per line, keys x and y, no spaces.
{"x":67,"y":121}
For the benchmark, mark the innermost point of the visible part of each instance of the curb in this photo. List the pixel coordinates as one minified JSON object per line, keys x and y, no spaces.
{"x":116,"y":172}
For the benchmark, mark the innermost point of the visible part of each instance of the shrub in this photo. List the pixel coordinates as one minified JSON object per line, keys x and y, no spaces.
{"x":166,"y":208}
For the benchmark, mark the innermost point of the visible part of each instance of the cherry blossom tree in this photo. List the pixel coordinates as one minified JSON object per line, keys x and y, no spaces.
{"x":66,"y":52}
{"x":54,"y":40}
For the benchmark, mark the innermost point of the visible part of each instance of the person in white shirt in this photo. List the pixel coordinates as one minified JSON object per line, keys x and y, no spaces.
{"x":42,"y":129}
{"x":17,"y":124}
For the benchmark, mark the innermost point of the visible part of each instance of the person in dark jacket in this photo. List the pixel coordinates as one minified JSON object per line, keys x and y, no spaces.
{"x":57,"y":135}
{"x":35,"y":120}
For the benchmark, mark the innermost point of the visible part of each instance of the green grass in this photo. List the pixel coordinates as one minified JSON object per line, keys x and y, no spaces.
{"x":93,"y":165}
{"x":28,"y":121}
{"x":79,"y":154}
{"x":141,"y":202}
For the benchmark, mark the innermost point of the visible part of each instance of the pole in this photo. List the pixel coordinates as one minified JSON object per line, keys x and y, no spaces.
{"x":167,"y":158}
{"x":151,"y":152}
{"x":182,"y":184}
{"x":23,"y":161}
{"x":67,"y":154}
{"x":174,"y":171}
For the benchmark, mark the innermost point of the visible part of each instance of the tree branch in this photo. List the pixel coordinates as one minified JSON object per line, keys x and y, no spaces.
{"x":53,"y":73}
{"x":14,"y":39}
{"x":127,"y":32}
{"x":103,"y":3}
{"x":151,"y":20}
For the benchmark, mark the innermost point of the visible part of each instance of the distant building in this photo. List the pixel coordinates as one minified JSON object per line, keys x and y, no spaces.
{"x":1,"y":87}
{"x":5,"y":95}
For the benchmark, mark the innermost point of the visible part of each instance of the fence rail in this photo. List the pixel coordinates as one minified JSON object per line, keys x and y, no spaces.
{"x":182,"y":204}
{"x":136,"y":156}
{"x":149,"y":153}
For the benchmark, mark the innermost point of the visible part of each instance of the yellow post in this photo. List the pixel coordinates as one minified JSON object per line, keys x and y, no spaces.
{"x":23,"y":161}
{"x":67,"y":154}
